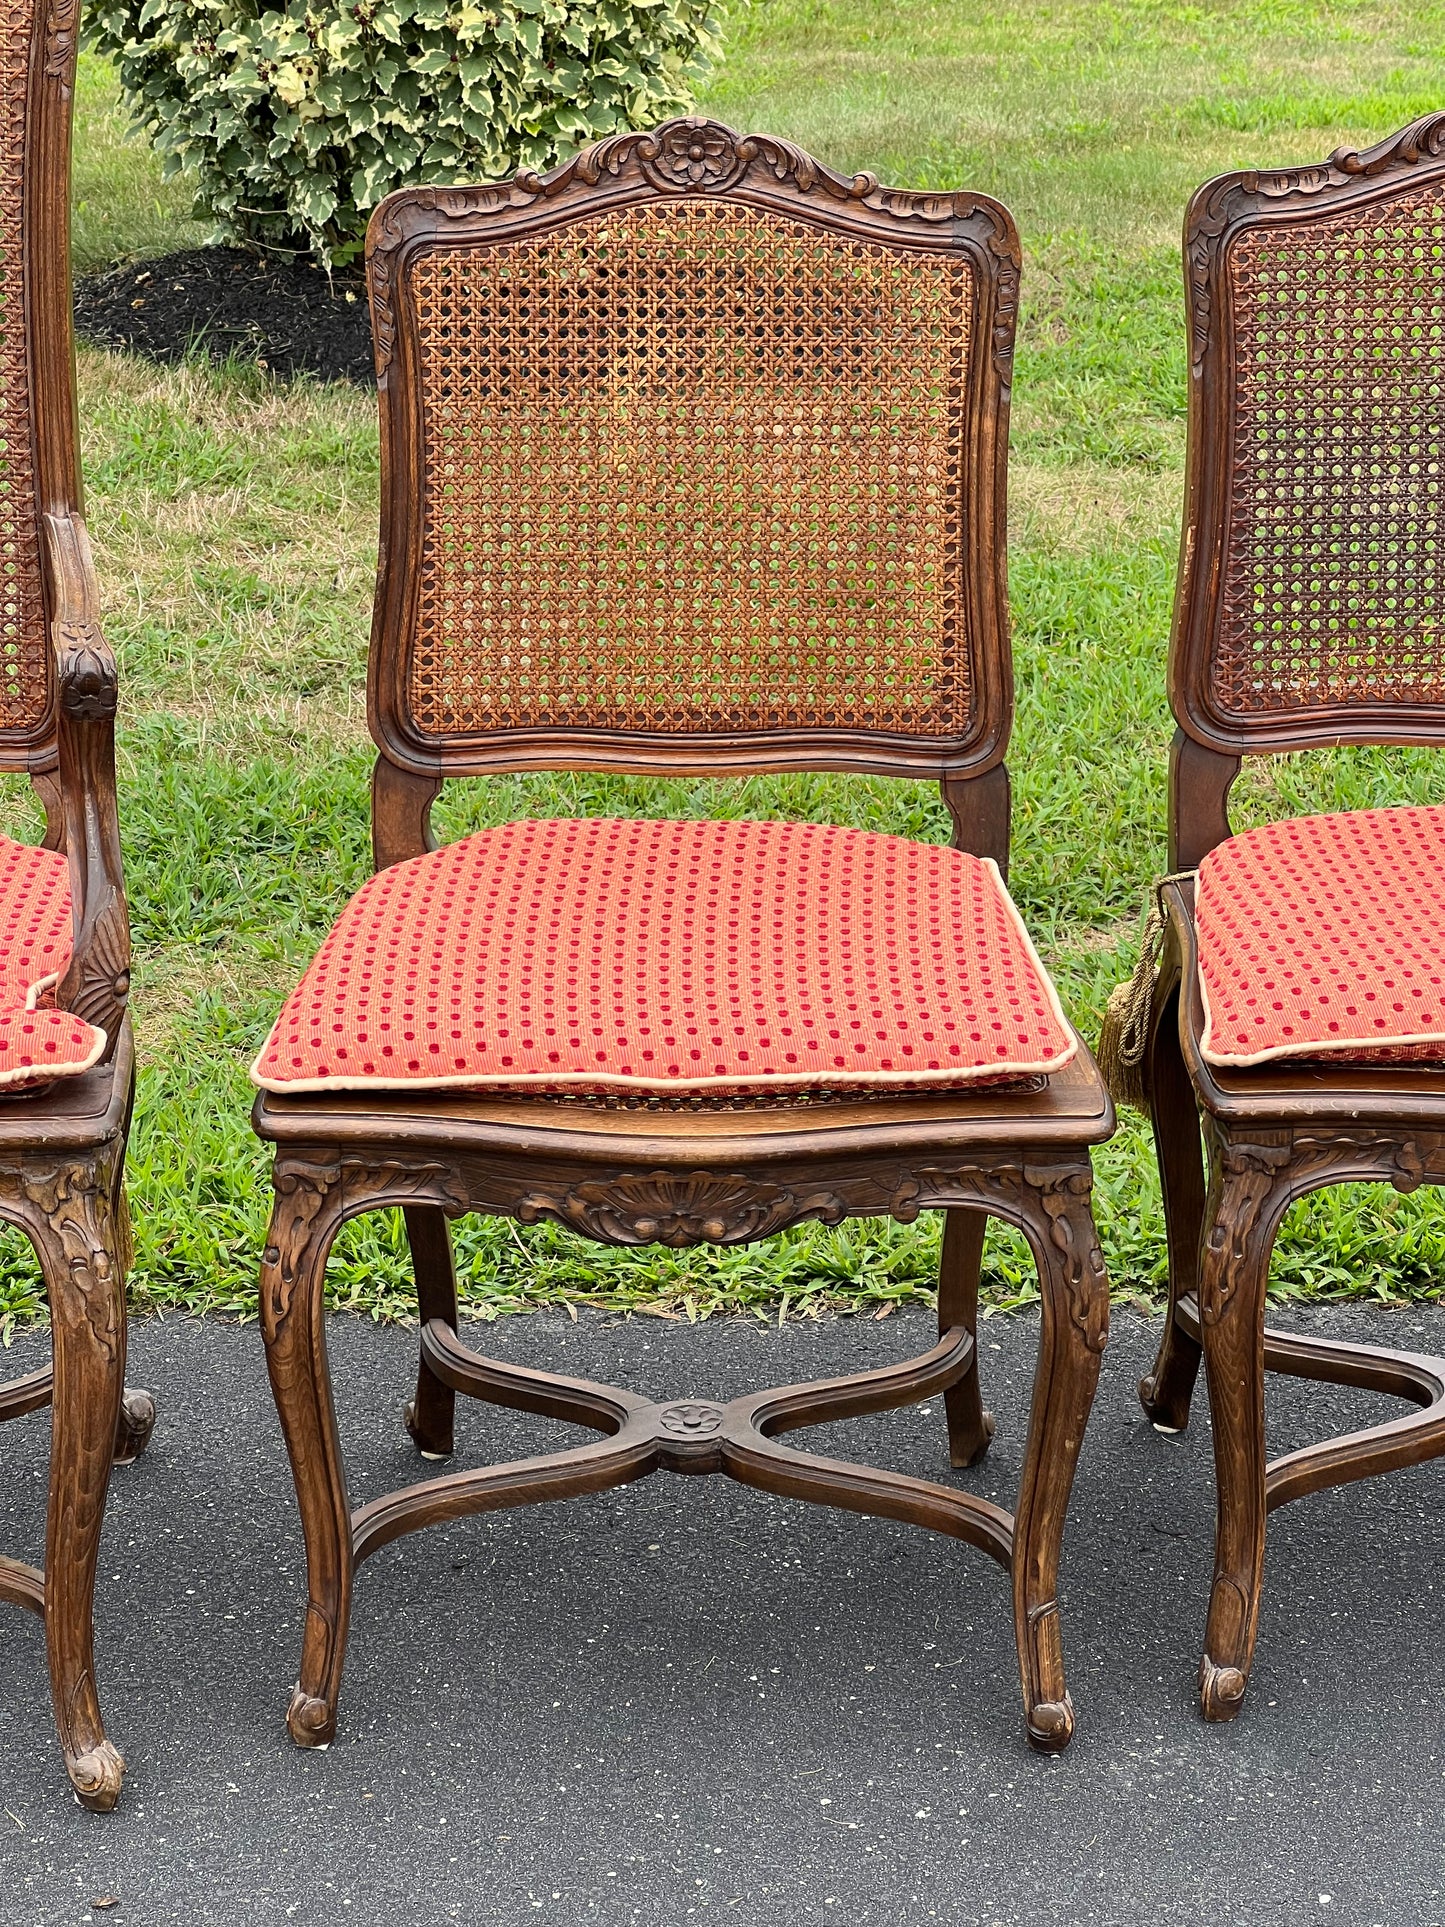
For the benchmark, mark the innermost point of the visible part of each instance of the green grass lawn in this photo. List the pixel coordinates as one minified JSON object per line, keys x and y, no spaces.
{"x":234,"y":527}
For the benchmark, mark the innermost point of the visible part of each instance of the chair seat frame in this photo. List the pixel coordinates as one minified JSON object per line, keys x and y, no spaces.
{"x":1237,"y":1147}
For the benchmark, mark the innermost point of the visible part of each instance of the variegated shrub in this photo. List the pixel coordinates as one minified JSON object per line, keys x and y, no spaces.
{"x":295,"y":121}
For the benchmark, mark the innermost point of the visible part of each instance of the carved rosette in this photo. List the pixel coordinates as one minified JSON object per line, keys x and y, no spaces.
{"x":699,"y":156}
{"x":683,"y":157}
{"x":677,"y":1209}
{"x":693,"y":1418}
{"x":688,"y":156}
{"x":691,"y":154}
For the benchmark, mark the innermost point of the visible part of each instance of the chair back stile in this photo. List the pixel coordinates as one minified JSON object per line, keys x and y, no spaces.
{"x":1310,"y":608}
{"x":39,"y":473}
{"x":693,"y":462}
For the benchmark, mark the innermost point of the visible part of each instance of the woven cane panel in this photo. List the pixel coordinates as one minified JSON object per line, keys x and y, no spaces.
{"x":24,"y":648}
{"x":692,"y":466}
{"x":1334,"y":590}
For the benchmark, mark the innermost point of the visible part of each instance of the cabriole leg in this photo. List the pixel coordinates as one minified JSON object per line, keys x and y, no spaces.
{"x":430,"y":1415}
{"x":1073,"y":1332}
{"x":304,"y":1220}
{"x":1245,"y":1203}
{"x":1166,"y":1393}
{"x":73,"y":1228}
{"x":134,"y":1426}
{"x":970,"y":1427}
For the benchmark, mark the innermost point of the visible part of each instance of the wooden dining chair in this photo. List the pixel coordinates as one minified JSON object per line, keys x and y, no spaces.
{"x":1300,"y":1008}
{"x":67,"y":1068}
{"x":693,"y":463}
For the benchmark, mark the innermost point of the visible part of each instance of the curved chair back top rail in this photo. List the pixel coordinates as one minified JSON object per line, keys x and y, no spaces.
{"x":693,"y":461}
{"x":1310,"y":607}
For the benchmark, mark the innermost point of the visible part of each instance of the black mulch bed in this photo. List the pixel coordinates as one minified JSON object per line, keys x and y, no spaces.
{"x":288,"y":317}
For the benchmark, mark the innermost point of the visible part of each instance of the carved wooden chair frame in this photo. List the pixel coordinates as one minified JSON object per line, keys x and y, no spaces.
{"x":62,"y":1149}
{"x":1273,"y":1133}
{"x":686,"y":1176}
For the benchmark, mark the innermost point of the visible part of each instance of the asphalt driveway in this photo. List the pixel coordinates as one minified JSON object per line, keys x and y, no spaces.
{"x":687,"y":1700}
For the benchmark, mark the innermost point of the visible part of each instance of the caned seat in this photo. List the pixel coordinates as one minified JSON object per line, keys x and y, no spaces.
{"x":1299,"y":1011}
{"x":67,"y":1070}
{"x":693,"y":461}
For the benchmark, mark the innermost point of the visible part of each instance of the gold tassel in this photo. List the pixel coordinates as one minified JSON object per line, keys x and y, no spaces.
{"x":1124,"y":1033}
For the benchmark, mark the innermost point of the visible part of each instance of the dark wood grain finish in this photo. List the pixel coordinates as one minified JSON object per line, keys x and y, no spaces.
{"x":970,"y":1427}
{"x":1345,"y":666}
{"x":401,"y":801}
{"x":62,"y":1149}
{"x":714,"y":1174}
{"x":430,"y":1415}
{"x":59,"y":1183}
{"x":980,"y":807}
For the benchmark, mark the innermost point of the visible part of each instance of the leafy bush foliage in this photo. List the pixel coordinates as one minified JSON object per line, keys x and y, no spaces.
{"x":297,"y":120}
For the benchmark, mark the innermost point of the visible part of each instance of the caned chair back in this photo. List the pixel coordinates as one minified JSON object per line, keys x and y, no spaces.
{"x":38,"y":465}
{"x":693,"y":458}
{"x":1311,"y":602}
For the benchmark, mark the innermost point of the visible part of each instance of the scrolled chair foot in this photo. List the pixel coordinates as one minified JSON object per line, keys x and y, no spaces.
{"x":96,"y":1776}
{"x":1051,"y":1724}
{"x":133,"y":1429}
{"x":1166,"y":1405}
{"x":1221,"y":1690}
{"x":974,"y":1450}
{"x":429,"y":1444}
{"x":310,"y":1722}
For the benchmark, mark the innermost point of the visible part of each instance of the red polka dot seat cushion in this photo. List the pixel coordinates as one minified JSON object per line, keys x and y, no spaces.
{"x":37,"y":1042}
{"x":1324,"y":936}
{"x":595,"y":956}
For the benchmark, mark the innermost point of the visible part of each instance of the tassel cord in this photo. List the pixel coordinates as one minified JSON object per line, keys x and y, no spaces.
{"x":1124,"y":1035}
